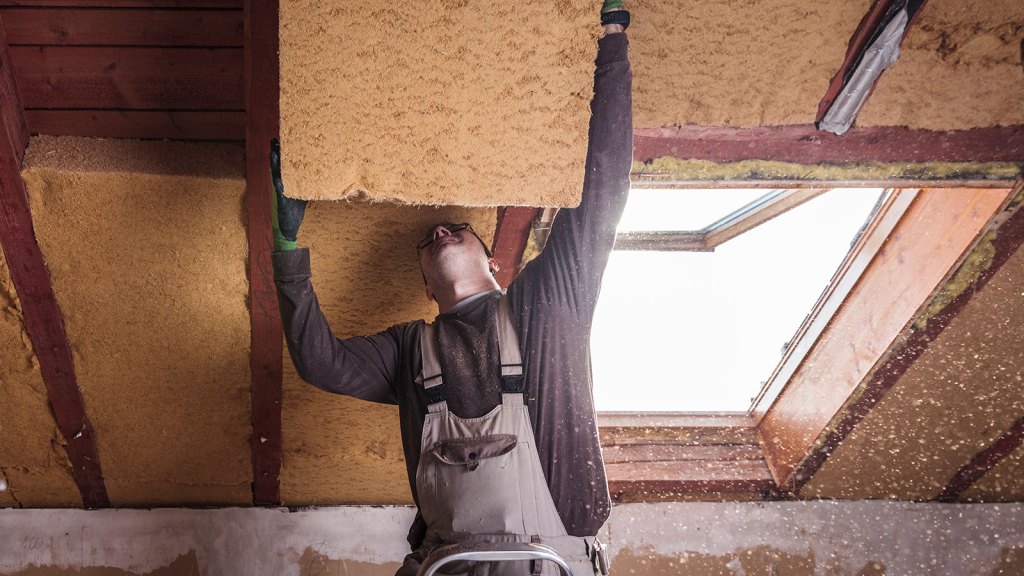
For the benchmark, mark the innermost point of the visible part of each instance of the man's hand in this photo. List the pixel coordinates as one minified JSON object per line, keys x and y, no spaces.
{"x":286,"y":213}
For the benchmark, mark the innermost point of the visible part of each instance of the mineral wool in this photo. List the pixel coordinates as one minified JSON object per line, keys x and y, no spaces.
{"x":441,"y":102}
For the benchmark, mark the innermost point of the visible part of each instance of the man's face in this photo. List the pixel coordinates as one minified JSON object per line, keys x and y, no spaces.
{"x":451,"y":249}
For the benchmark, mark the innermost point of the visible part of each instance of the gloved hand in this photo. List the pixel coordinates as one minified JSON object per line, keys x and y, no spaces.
{"x":614,"y":16}
{"x":610,"y":5}
{"x":286,"y":213}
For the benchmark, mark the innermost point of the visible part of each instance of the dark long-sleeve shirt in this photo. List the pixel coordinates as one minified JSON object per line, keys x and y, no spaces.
{"x":552,"y":302}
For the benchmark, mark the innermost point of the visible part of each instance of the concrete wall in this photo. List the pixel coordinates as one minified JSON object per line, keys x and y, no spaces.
{"x":728,"y":539}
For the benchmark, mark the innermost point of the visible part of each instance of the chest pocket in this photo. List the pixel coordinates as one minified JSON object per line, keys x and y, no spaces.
{"x":471,"y":451}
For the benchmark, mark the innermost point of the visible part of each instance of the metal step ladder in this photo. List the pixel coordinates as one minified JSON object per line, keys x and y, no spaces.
{"x":491,"y":552}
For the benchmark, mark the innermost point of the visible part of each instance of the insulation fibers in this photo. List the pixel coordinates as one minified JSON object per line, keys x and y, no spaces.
{"x":146,"y":247}
{"x":960,"y":67}
{"x":443,"y":102}
{"x":33,"y":462}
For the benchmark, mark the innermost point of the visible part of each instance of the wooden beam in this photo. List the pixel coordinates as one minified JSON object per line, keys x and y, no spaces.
{"x":804,"y":144}
{"x":682,"y":456}
{"x":983,"y":462}
{"x":834,"y":388}
{"x":11,"y":108}
{"x":858,"y":42}
{"x":113,"y":4}
{"x":866,"y":32}
{"x":91,"y":27}
{"x":510,"y":238}
{"x":43,"y":320}
{"x":262,"y":124}
{"x":630,"y":481}
{"x":130,"y":77}
{"x":221,"y":125}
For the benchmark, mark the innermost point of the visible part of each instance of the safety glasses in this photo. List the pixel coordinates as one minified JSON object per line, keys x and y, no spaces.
{"x":451,"y":228}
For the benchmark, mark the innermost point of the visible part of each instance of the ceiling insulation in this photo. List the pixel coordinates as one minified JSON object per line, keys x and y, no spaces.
{"x":477,"y":104}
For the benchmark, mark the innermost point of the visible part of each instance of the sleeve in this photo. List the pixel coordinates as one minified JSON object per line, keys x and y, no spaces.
{"x":569,"y":270}
{"x":363,"y":367}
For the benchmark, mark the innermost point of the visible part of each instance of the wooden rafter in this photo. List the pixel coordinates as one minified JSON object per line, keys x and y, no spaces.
{"x":43,"y":320}
{"x":804,"y":144}
{"x":983,"y":462}
{"x":863,"y":36}
{"x":262,"y":124}
{"x":11,"y":110}
{"x":510,"y":238}
{"x":189,"y":4}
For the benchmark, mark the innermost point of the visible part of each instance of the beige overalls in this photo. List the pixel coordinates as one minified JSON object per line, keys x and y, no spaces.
{"x":480,"y":479}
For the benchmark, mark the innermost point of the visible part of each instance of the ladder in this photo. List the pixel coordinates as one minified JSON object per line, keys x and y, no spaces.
{"x":491,"y":552}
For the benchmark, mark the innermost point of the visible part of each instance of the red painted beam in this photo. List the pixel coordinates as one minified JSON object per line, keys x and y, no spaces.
{"x":11,"y":115}
{"x":43,"y":320}
{"x":867,"y":31}
{"x":262,"y":124}
{"x":510,"y":239}
{"x":184,"y":4}
{"x":804,"y":144}
{"x":1006,"y":243}
{"x":219,"y":125}
{"x":983,"y":462}
{"x":868,"y":25}
{"x":119,"y":77}
{"x":90,"y":27}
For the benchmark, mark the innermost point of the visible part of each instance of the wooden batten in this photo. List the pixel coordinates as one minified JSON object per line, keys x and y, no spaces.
{"x":804,"y":144}
{"x":262,"y":124}
{"x":510,"y":239}
{"x":682,"y":457}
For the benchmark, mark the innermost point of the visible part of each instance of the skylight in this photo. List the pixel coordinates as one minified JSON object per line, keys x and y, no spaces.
{"x":702,"y":330}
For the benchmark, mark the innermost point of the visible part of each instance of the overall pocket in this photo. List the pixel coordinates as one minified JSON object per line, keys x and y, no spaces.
{"x":476,"y":485}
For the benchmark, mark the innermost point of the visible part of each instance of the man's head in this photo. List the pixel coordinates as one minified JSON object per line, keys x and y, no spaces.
{"x":453,"y":259}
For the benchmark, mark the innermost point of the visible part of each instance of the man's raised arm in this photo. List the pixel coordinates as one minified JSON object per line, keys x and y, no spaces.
{"x":364,"y":366}
{"x":569,"y":269}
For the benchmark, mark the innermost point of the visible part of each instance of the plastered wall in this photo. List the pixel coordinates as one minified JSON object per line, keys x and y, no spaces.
{"x":697,"y":539}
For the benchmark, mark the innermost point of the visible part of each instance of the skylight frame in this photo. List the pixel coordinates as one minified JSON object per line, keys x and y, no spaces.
{"x":746,"y":218}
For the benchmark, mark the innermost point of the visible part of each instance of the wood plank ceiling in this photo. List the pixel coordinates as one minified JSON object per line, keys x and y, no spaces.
{"x":133,"y":69}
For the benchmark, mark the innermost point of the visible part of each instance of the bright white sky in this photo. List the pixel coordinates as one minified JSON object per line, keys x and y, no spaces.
{"x":692,"y":331}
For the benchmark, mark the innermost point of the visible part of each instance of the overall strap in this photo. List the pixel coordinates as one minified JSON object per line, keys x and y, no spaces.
{"x":508,"y":350}
{"x":430,"y":376}
{"x":509,"y":357}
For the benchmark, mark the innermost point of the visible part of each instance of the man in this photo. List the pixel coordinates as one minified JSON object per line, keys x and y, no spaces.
{"x":497,"y":416}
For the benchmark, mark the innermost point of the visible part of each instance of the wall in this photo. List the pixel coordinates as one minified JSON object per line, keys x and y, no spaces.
{"x":697,"y":539}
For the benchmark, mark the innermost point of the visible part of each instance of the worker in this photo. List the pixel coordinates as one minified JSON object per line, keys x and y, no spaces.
{"x":495,"y":405}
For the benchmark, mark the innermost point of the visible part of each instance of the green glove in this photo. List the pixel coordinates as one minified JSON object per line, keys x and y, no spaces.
{"x":286,"y":213}
{"x":610,"y":5}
